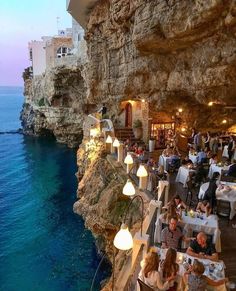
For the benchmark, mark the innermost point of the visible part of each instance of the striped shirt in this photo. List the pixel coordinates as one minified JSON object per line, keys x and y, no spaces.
{"x":171,"y":238}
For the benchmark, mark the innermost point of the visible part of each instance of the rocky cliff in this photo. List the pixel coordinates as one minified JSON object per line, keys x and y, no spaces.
{"x":54,"y":104}
{"x":101,"y":202}
{"x":170,"y":52}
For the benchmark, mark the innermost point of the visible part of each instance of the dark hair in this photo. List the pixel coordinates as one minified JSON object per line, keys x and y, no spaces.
{"x":215,"y":176}
{"x":176,"y":197}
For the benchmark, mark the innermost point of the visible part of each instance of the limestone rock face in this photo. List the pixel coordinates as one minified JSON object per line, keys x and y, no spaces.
{"x":172,"y":53}
{"x":54,"y":105}
{"x":101,"y":202}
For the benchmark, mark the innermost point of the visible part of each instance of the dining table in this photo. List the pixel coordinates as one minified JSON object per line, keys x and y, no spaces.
{"x":193,"y":223}
{"x":227,"y":192}
{"x":219,"y":168}
{"x":214,"y":270}
{"x":183,"y":175}
{"x":164,"y":161}
{"x":193,"y":158}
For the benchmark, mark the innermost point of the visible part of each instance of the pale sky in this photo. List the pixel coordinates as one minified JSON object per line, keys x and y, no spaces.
{"x":20,"y":22}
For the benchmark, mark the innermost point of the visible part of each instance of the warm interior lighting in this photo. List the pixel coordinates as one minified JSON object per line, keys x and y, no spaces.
{"x":128,"y":188}
{"x":180,"y":110}
{"x":123,"y":239}
{"x":142,"y":172}
{"x":183,"y":129}
{"x":224,"y":121}
{"x":116,"y":143}
{"x":128,"y":159}
{"x":94,"y":132}
{"x":109,"y":139}
{"x":210,"y":103}
{"x":143,"y":100}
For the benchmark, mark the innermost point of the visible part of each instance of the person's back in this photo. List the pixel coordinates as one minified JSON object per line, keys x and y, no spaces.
{"x":196,"y":282}
{"x":232,"y":169}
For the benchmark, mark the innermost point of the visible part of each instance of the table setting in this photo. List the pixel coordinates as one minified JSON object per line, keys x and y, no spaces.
{"x":213,"y":270}
{"x":227,"y":192}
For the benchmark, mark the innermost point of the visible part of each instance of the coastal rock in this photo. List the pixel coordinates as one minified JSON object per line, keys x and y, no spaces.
{"x":171,"y":53}
{"x":54,"y":105}
{"x":101,"y":202}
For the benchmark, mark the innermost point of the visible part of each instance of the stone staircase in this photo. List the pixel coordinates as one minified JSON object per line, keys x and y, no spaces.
{"x":126,"y":132}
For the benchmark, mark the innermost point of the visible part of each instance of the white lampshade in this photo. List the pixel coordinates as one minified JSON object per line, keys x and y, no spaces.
{"x":116,"y":143}
{"x":109,"y":139}
{"x":142,"y":172}
{"x":128,"y":188}
{"x":128,"y":159}
{"x":123,"y":239}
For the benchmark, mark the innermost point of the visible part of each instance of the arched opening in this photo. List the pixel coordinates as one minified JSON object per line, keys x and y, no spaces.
{"x":128,"y":115}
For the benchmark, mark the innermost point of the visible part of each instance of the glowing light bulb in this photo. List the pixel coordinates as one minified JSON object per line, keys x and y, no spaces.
{"x":123,"y":239}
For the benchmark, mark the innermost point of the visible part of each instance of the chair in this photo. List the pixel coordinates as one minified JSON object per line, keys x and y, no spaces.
{"x":223,"y":208}
{"x":143,"y":286}
{"x":189,"y":193}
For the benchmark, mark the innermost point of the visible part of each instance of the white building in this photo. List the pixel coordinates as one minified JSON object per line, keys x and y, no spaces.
{"x":43,"y":53}
{"x":37,"y":56}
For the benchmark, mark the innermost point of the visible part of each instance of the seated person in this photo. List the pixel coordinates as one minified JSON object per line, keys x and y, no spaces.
{"x":161,"y":174}
{"x":172,"y":235}
{"x":232,"y":169}
{"x":213,"y":160}
{"x":177,"y":202}
{"x":150,"y":275}
{"x":139,"y":151}
{"x":176,"y":151}
{"x":186,"y":161}
{"x":202,"y":248}
{"x":210,"y":194}
{"x":204,"y":207}
{"x":170,"y":268}
{"x":151,"y":163}
{"x":200,"y":174}
{"x":128,"y":144}
{"x":167,"y":152}
{"x":171,"y":211}
{"x":201,"y":156}
{"x":195,"y":279}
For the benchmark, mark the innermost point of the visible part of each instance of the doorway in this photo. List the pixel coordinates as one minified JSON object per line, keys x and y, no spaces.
{"x":128,"y":115}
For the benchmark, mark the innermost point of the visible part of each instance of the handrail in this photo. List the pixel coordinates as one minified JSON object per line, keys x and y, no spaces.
{"x":129,"y":273}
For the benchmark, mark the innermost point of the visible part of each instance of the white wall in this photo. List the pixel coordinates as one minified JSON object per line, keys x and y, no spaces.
{"x":38,"y":57}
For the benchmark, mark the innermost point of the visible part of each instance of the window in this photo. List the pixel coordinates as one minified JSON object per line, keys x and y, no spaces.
{"x":63,"y":51}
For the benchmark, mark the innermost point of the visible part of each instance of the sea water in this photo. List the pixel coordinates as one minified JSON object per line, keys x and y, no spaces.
{"x":44,"y":246}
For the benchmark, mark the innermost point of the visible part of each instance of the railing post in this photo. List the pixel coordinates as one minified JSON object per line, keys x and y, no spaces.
{"x":120,"y":153}
{"x":139,"y":240}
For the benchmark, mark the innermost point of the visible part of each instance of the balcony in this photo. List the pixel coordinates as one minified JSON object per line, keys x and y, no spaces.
{"x":80,"y":10}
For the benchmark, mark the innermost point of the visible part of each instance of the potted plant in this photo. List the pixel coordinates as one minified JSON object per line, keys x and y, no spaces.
{"x":138,"y":128}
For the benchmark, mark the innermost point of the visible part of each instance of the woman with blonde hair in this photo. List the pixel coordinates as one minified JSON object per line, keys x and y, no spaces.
{"x":150,"y":275}
{"x":170,"y":268}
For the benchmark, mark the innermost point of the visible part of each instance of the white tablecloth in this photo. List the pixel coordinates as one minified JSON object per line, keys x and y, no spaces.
{"x":228,"y":193}
{"x":217,"y":274}
{"x":164,"y":161}
{"x":202,"y":190}
{"x":193,"y":158}
{"x":209,"y":225}
{"x":214,"y":168}
{"x":183,"y":175}
{"x":225,"y":152}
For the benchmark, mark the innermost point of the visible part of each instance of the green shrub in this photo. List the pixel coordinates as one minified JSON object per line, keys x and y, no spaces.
{"x":137,"y":123}
{"x":41,"y":102}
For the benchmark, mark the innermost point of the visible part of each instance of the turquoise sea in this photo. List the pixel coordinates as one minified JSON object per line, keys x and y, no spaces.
{"x":44,"y":246}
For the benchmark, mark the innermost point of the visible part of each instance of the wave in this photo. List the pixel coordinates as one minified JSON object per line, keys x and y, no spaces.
{"x":17,"y":131}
